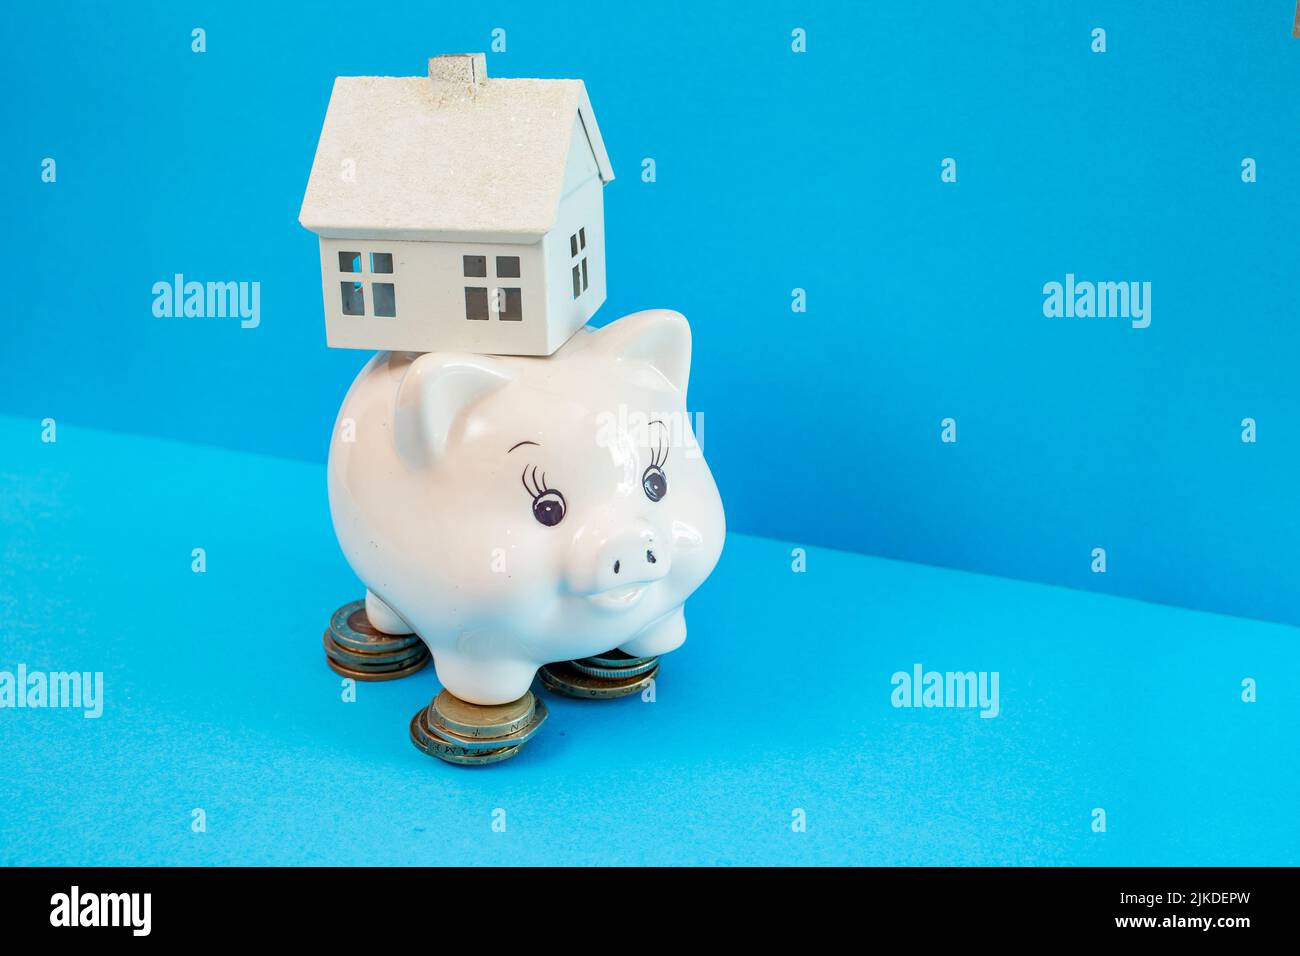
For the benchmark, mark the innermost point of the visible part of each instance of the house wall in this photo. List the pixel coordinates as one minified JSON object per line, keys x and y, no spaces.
{"x":429,"y":284}
{"x":427,"y":287}
{"x":583,"y":208}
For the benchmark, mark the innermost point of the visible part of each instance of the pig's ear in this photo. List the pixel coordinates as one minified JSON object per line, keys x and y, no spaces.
{"x":435,"y":391}
{"x":658,"y":338}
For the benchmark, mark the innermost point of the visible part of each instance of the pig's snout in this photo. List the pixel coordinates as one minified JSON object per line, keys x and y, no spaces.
{"x":619,"y":561}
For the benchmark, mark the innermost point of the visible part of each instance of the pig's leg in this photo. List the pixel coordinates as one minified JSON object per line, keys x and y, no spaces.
{"x":384,"y":618}
{"x":664,"y":635}
{"x":491,"y":680}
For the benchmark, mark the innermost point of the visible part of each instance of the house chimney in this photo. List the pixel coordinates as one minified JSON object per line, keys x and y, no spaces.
{"x":458,"y":74}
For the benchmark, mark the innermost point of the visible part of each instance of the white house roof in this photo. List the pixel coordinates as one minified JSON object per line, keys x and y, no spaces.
{"x":449,"y":155}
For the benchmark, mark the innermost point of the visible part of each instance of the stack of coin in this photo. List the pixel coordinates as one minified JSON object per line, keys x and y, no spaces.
{"x":475,"y":734}
{"x":355,"y":649}
{"x":603,"y":677}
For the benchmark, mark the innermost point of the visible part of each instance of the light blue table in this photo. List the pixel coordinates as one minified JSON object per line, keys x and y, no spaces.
{"x":217,"y":697}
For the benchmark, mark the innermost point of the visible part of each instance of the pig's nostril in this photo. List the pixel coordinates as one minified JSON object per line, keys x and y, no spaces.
{"x":616,"y":567}
{"x":650,"y":556}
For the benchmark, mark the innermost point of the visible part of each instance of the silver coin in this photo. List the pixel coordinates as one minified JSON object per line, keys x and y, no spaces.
{"x":352,"y":630}
{"x":563,"y":679}
{"x":617,"y":658}
{"x":481,"y":720}
{"x":585,"y":666}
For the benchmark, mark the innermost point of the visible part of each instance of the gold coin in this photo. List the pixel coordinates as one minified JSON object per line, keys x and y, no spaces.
{"x":435,"y":728}
{"x":483,"y":720}
{"x":365,"y":660}
{"x":451,"y":753}
{"x":351,"y":628}
{"x":376,"y":675}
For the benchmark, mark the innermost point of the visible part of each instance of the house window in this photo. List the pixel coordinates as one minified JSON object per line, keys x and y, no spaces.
{"x":476,"y":309}
{"x":352,"y":291}
{"x":510,"y":306}
{"x":385,"y":300}
{"x":353,"y":298}
{"x":507,"y":304}
{"x":578,"y":248}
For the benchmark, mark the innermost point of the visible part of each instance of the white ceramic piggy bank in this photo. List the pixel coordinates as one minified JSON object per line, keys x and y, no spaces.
{"x":517,"y":511}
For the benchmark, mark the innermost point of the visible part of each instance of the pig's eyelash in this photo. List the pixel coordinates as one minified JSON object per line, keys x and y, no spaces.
{"x":659,"y":454}
{"x":537,"y":488}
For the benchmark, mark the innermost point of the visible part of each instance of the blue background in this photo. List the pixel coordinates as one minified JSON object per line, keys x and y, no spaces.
{"x":217,"y":697}
{"x":819,"y":171}
{"x":775,"y":171}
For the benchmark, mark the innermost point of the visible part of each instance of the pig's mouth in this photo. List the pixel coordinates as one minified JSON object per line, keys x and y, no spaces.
{"x":617,"y":599}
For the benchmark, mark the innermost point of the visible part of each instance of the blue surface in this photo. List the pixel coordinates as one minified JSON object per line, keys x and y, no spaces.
{"x":775,"y":171}
{"x":218,"y":697}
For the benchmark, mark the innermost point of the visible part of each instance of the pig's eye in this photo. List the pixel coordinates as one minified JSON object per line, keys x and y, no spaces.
{"x":655,"y":483}
{"x":549,"y":508}
{"x":548,"y":504}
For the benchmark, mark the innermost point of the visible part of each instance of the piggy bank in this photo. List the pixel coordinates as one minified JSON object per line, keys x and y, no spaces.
{"x":519,"y":511}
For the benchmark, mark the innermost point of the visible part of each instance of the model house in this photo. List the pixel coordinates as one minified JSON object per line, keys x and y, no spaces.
{"x":457,"y":212}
